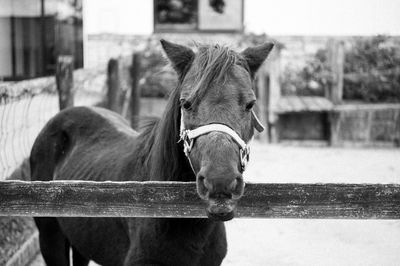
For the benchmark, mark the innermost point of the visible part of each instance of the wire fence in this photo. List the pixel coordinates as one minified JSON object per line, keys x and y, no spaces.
{"x":26,"y":106}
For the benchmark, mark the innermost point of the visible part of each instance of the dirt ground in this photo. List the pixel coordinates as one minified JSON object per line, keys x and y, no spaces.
{"x":315,"y":242}
{"x":14,"y":231}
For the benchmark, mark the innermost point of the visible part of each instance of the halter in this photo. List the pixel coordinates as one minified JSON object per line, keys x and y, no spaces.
{"x":188,"y":136}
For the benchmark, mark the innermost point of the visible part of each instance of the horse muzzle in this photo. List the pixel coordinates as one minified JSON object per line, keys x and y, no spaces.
{"x":221,"y":209}
{"x":220,"y":194}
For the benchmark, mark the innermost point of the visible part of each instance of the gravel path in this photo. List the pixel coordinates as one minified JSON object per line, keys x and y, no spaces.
{"x":315,"y":242}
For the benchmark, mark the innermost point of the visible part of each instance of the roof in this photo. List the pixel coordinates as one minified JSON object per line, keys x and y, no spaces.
{"x":290,"y":104}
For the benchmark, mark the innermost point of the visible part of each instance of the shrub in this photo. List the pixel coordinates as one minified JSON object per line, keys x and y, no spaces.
{"x":373,"y":65}
{"x":371,"y":72}
{"x":311,"y":80}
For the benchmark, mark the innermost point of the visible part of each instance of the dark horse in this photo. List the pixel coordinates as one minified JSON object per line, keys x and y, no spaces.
{"x":210,"y":111}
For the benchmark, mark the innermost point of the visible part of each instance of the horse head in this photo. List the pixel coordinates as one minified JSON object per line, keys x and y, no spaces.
{"x":216,"y":118}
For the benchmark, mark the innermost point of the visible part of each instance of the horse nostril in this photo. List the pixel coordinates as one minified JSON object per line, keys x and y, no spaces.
{"x":202,"y":186}
{"x":200,"y":178}
{"x":207,"y":184}
{"x":233,"y":185}
{"x":238,"y":189}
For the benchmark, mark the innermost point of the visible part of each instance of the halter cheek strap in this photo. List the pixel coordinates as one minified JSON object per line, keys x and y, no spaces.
{"x":188,"y":137}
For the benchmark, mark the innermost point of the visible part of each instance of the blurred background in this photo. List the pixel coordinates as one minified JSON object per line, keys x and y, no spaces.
{"x":329,"y":95}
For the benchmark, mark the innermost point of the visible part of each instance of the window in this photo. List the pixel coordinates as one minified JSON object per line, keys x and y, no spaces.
{"x":35,"y":32}
{"x":198,"y":15}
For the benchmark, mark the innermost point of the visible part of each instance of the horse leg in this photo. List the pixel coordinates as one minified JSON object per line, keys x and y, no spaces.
{"x":78,"y":259}
{"x":53,"y":244}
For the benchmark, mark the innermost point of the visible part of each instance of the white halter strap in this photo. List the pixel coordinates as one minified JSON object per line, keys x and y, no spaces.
{"x":192,"y":134}
{"x":188,"y":136}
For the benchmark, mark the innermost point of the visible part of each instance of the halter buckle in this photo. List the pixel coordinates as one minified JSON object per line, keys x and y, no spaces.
{"x":187,"y":142}
{"x":244,"y":156}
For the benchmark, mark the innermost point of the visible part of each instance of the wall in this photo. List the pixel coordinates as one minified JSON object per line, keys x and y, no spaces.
{"x":367,"y":124}
{"x":285,"y":17}
{"x":5,"y":48}
{"x":20,"y":8}
{"x":152,"y":107}
{"x":303,"y":126}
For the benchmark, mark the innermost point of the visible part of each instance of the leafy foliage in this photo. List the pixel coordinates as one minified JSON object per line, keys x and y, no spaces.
{"x":312,"y":80}
{"x":371,"y":72}
{"x":373,"y":67}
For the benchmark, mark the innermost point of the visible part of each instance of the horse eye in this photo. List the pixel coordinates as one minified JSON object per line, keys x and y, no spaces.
{"x":186,"y":104}
{"x":250,"y":105}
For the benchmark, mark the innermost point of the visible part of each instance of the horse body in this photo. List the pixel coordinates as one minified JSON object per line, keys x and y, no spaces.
{"x":109,"y":156}
{"x":88,"y":143}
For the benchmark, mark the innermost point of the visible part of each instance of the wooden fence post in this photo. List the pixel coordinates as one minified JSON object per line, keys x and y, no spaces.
{"x":64,"y":81}
{"x":334,"y":127}
{"x":135,"y":90}
{"x":114,"y":86}
{"x":396,"y":138}
{"x":274,"y":93}
{"x":335,"y":94}
{"x":336,"y":61}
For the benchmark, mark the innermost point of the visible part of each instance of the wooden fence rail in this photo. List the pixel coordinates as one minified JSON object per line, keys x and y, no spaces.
{"x":175,"y":199}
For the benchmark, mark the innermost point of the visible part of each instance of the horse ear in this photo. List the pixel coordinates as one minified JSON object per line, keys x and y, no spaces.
{"x":256,"y":55}
{"x":179,"y":55}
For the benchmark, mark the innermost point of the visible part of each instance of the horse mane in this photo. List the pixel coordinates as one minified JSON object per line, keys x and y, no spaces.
{"x":212,"y":65}
{"x":162,"y":155}
{"x":159,"y":149}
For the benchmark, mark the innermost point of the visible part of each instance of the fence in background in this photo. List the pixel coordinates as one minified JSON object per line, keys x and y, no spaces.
{"x":365,"y":124}
{"x":347,"y":123}
{"x":358,"y":123}
{"x":26,"y":106}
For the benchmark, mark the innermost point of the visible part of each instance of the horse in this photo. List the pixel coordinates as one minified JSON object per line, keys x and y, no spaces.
{"x":202,"y":136}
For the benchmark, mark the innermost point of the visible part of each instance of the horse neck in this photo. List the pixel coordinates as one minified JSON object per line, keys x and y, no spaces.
{"x":194,"y":229}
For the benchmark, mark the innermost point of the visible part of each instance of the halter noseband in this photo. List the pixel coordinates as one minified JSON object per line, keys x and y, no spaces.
{"x":188,"y":136}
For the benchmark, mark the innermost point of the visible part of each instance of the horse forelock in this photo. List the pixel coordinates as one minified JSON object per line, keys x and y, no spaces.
{"x":212,"y":64}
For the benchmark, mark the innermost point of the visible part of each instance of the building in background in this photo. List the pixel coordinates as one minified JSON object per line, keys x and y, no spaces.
{"x":35,"y":32}
{"x":198,"y":15}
